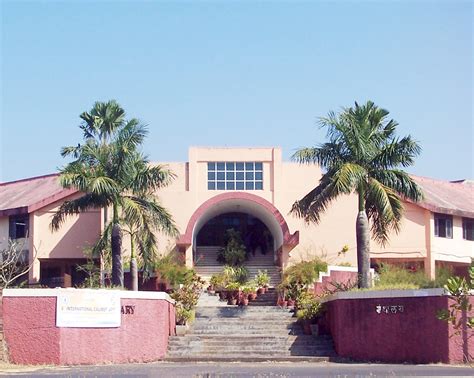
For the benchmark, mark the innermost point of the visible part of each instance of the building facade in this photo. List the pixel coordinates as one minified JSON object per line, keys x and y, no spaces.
{"x":251,"y":190}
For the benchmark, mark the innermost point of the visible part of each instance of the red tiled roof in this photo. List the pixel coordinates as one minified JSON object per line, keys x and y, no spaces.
{"x":28,"y":195}
{"x":447,"y":197}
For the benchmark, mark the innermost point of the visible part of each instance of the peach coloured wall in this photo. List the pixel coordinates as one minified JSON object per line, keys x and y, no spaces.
{"x":286,"y":182}
{"x":454,"y":250}
{"x":4,"y":225}
{"x":410,"y":242}
{"x":33,"y":338}
{"x":76,"y":233}
{"x":283,"y":184}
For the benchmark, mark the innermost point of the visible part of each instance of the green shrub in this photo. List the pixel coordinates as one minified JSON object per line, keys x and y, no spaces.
{"x":187,"y":296}
{"x":218,"y":281}
{"x":183,"y":315}
{"x":235,"y":274}
{"x":234,"y":252}
{"x":262,"y":278}
{"x":308,"y":306}
{"x":400,"y":277}
{"x":300,"y":276}
{"x":172,"y":270}
{"x":233,"y":286}
{"x":249,"y":288}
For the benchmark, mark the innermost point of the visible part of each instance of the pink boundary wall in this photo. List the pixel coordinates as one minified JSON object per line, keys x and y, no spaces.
{"x":414,"y":335}
{"x":336,"y":274}
{"x":33,"y":338}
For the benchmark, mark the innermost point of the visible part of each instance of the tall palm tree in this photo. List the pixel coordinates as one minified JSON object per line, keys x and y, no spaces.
{"x":363,"y":155}
{"x":112,"y":173}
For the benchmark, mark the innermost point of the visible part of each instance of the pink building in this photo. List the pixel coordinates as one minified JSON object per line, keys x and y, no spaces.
{"x":252,"y":190}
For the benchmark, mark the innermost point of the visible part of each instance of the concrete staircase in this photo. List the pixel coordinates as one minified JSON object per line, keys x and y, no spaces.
{"x":232,"y":333}
{"x":206,"y":264}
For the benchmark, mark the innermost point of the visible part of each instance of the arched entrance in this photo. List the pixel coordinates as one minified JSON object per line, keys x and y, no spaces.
{"x":253,"y":234}
{"x":241,"y":203}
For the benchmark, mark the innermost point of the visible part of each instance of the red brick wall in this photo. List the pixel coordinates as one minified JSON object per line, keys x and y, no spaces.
{"x":414,"y":335}
{"x":33,"y":338}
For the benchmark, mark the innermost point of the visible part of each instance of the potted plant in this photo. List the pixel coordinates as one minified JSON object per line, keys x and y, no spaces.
{"x":263,"y":279}
{"x":246,"y":291}
{"x":218,"y":283}
{"x":308,"y":309}
{"x":214,"y":283}
{"x":183,"y":317}
{"x":252,"y":295}
{"x":290,"y":302}
{"x":233,"y":289}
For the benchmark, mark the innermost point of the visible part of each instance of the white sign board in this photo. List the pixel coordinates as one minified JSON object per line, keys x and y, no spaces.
{"x":88,"y":308}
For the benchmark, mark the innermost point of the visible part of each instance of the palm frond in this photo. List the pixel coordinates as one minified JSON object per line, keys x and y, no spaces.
{"x":326,"y":155}
{"x":398,"y":152}
{"x":384,"y":209}
{"x":76,"y":206}
{"x":104,"y":242}
{"x":400,"y":182}
{"x":315,"y":203}
{"x":103,"y":120}
{"x":146,"y":211}
{"x":73,"y":151}
{"x":348,"y":177}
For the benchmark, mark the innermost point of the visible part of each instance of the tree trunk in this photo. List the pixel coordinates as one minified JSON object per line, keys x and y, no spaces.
{"x":363,"y":249}
{"x":133,"y":265}
{"x":117,"y":269}
{"x":134,"y":273}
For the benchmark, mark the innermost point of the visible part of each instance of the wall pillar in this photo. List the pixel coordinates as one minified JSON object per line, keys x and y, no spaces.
{"x":430,"y":266}
{"x":3,"y":355}
{"x":189,"y":261}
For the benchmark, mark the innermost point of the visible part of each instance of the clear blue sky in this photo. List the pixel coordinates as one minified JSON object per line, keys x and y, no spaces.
{"x":235,"y":74}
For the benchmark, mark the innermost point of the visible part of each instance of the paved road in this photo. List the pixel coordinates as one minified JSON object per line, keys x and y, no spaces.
{"x":260,"y":370}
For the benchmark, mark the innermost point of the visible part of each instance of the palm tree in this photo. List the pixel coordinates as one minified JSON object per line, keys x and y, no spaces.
{"x":111,"y":172}
{"x":363,"y":155}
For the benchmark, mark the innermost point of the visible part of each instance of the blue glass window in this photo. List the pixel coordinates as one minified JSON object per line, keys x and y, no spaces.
{"x":234,"y":175}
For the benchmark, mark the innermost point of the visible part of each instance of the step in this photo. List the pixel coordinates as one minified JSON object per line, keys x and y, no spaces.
{"x":239,"y":312}
{"x":257,"y":332}
{"x":251,"y":340}
{"x":261,"y":330}
{"x":249,"y":352}
{"x":251,"y":358}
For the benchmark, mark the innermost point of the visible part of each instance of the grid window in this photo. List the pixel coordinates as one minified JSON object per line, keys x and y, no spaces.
{"x":443,"y":226}
{"x":235,"y":175}
{"x":18,"y":227}
{"x":468,"y":228}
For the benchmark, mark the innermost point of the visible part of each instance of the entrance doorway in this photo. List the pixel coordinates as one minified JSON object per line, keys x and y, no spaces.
{"x":257,"y":238}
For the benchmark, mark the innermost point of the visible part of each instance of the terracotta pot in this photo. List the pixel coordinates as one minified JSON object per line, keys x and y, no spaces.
{"x":284,"y":303}
{"x":232,"y":301}
{"x":291,"y":303}
{"x":252,"y":296}
{"x":222,"y":295}
{"x":260,"y":290}
{"x":181,"y":329}
{"x":244,"y":301}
